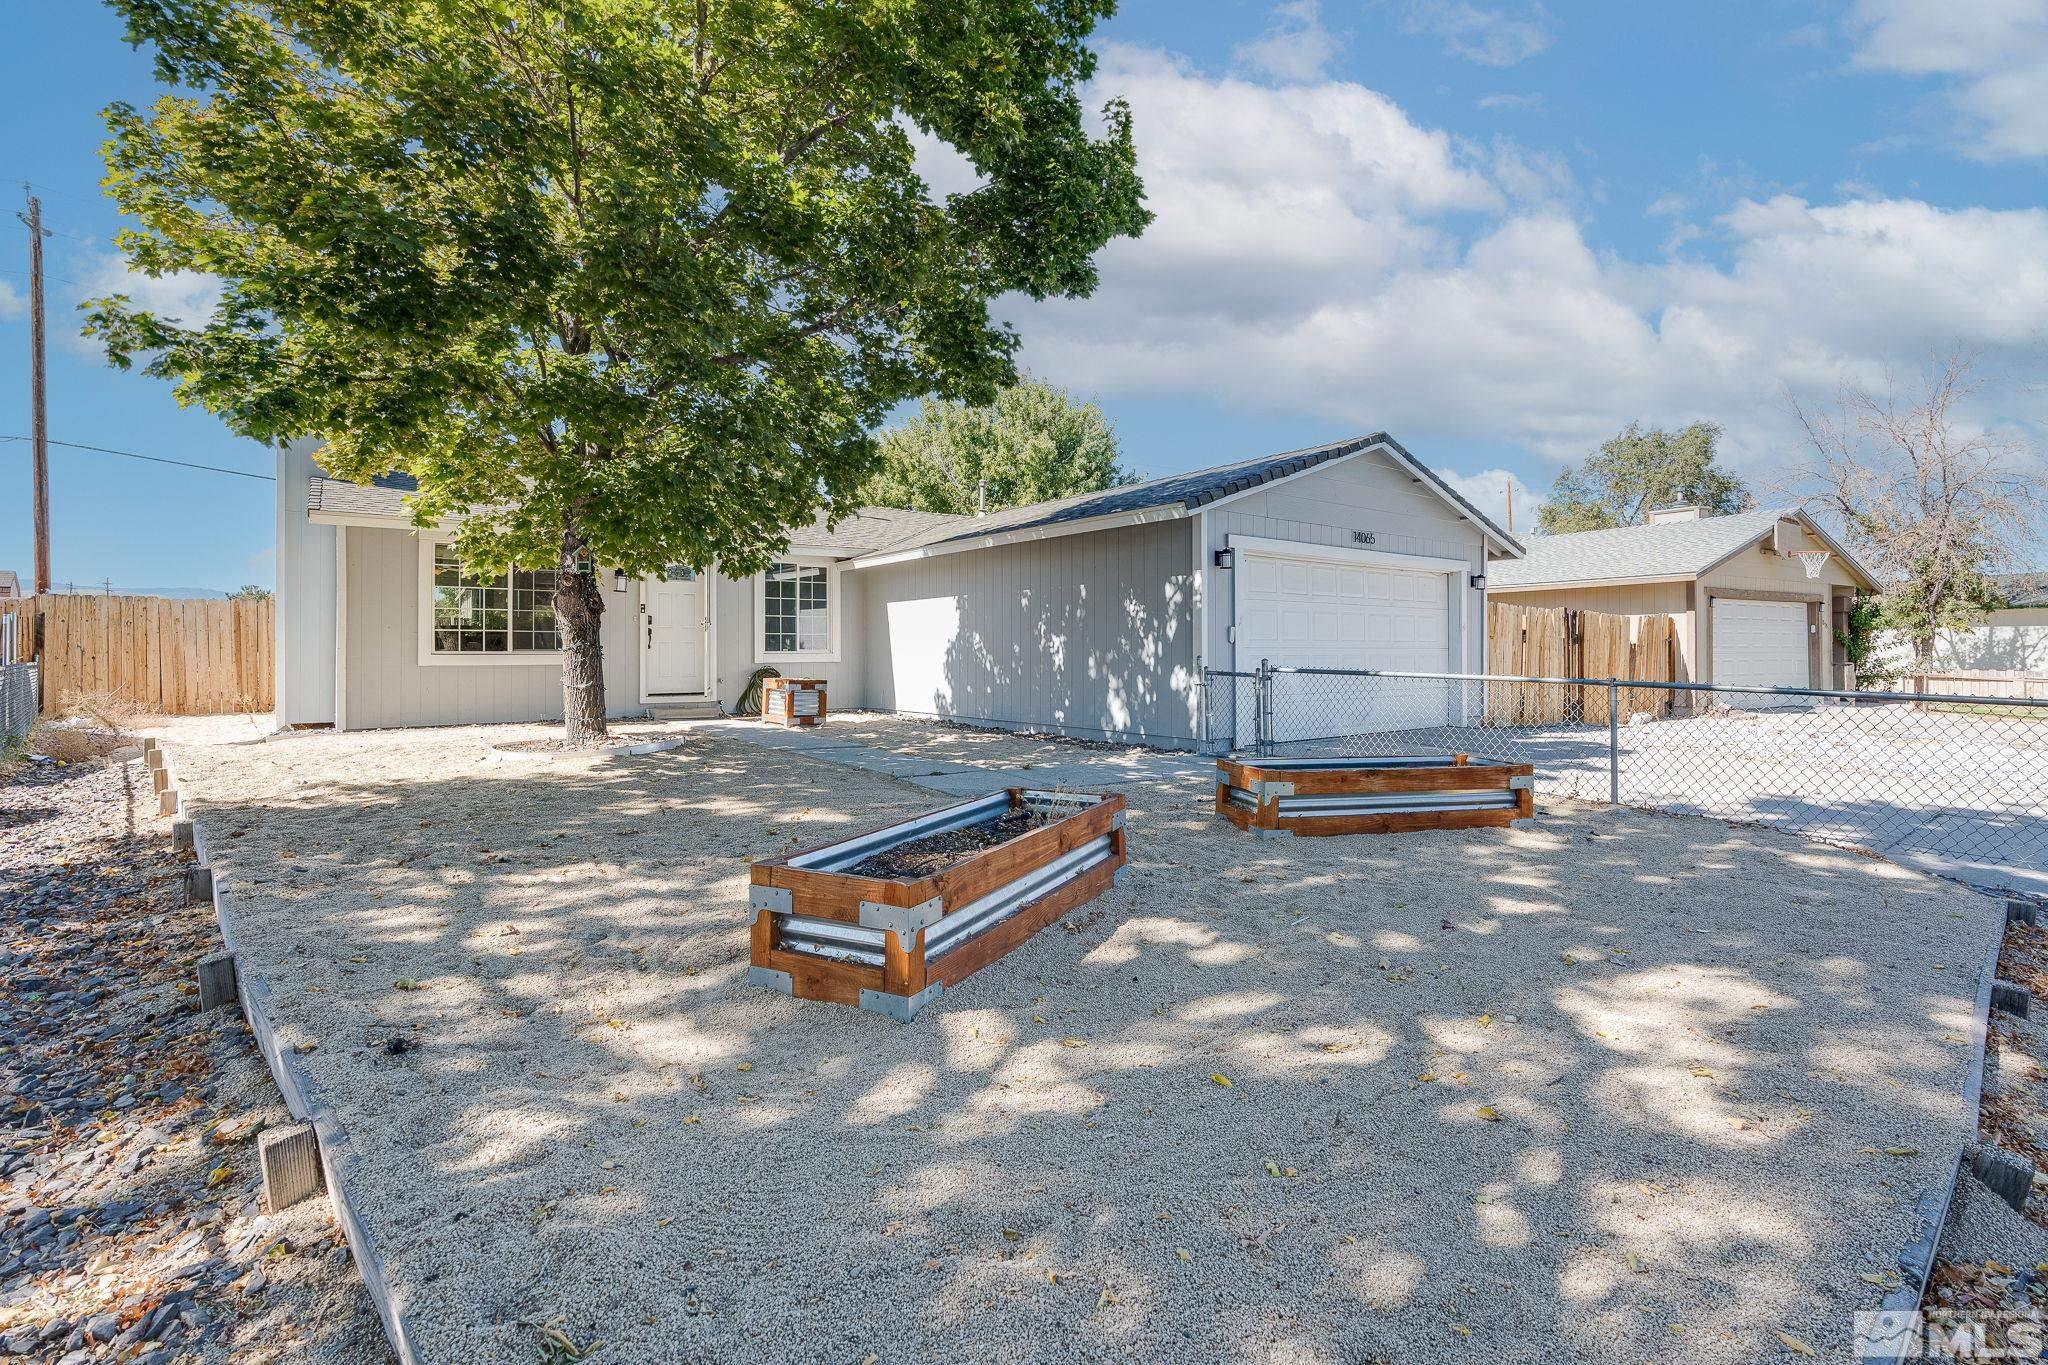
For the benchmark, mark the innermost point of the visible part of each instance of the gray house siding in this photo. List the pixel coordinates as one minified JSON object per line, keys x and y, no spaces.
{"x":384,"y":683}
{"x":1089,"y":635}
{"x":304,"y":644}
{"x":1366,"y":493}
{"x":736,"y":657}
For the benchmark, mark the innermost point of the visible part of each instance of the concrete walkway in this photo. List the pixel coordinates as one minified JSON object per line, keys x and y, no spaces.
{"x":954,"y":778}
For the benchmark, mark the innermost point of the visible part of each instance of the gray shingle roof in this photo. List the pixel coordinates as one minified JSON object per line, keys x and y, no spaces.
{"x":1191,"y":491}
{"x":870,"y":529}
{"x":2024,"y":589}
{"x":1672,"y":549}
{"x":885,"y":529}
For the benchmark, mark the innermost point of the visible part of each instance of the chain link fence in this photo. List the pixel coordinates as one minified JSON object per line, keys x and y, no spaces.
{"x":1960,"y":784}
{"x":17,"y":700}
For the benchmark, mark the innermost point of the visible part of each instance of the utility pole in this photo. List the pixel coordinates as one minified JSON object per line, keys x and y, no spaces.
{"x":38,"y":419}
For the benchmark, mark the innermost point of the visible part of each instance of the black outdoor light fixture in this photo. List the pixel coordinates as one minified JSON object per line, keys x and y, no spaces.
{"x":618,"y":580}
{"x":1226,"y":559}
{"x":1478,"y":581}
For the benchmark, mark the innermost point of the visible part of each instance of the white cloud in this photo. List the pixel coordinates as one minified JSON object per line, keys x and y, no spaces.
{"x":185,"y":297}
{"x":1491,"y":37}
{"x":1488,"y":491}
{"x":1295,"y":48}
{"x":1317,"y":250}
{"x":1505,"y":100}
{"x":11,"y":301}
{"x":1995,"y":53}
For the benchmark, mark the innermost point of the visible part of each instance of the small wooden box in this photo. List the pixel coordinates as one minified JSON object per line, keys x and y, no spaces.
{"x":891,"y":944}
{"x":792,"y":701}
{"x":1273,"y":797}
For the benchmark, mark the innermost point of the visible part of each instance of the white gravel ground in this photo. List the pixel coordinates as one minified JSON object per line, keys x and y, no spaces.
{"x":1619,"y":1087}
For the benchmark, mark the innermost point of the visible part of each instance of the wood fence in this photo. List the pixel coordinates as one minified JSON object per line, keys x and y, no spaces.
{"x":1980,"y":683}
{"x":1560,"y":642}
{"x":161,"y":655}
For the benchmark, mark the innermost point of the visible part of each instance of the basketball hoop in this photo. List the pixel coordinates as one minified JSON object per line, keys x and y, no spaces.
{"x":1813,"y":561}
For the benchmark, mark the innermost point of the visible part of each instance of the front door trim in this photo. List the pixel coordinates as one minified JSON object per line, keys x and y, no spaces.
{"x":709,"y":581}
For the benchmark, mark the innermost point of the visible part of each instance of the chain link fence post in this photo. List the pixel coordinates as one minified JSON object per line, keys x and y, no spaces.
{"x":1613,"y":743}
{"x":1262,"y":705}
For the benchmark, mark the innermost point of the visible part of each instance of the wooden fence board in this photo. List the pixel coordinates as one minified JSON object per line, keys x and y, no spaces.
{"x":1561,"y":642}
{"x":163,"y":656}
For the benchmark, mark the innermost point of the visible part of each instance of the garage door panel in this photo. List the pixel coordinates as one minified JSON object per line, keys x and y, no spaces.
{"x":1305,"y":613}
{"x":1760,"y":644}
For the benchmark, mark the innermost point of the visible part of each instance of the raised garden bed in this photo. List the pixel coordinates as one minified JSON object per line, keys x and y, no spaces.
{"x":1312,"y":796}
{"x":978,"y":878}
{"x":792,"y":701}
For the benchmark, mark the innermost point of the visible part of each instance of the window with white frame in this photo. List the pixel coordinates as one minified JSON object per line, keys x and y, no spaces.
{"x":485,"y":614}
{"x":797,"y":612}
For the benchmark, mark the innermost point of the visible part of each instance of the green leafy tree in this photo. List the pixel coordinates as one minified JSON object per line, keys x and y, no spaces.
{"x":1032,"y":444}
{"x":620,"y":282}
{"x":1638,"y":470}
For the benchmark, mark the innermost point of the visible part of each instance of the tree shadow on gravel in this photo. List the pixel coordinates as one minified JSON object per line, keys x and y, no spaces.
{"x":1620,"y":1087}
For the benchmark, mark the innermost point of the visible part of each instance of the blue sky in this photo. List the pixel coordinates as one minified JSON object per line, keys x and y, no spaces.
{"x":1499,"y":230}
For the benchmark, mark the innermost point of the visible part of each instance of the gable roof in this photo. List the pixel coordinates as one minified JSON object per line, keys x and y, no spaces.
{"x":1192,"y":491}
{"x":1660,"y":550}
{"x":2023,"y":589}
{"x":876,"y":531}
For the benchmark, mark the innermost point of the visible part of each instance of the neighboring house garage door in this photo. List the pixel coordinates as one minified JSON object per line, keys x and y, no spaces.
{"x":1305,"y":611}
{"x":1759,"y":644}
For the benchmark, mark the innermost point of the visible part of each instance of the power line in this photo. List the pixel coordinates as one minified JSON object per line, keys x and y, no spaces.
{"x":155,"y":459}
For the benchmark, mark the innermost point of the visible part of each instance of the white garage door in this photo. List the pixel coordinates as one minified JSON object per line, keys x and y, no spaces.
{"x":1307,"y":612}
{"x":1759,"y":644}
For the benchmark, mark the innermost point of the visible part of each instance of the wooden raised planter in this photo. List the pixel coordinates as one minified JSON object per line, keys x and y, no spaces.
{"x":1280,"y":796}
{"x":892,"y":944}
{"x":792,"y":701}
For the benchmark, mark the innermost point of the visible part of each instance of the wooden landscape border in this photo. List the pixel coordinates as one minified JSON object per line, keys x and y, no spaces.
{"x":1254,"y":794}
{"x":903,"y":910}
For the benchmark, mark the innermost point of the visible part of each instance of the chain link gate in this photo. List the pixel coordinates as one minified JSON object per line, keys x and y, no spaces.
{"x":1956,"y":783}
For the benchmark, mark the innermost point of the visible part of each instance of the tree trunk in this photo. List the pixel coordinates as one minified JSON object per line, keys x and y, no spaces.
{"x":579,"y":616}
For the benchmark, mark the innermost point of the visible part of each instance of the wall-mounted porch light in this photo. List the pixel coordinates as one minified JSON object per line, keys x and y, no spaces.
{"x":1226,"y":559}
{"x":618,"y":580}
{"x":1478,"y":581}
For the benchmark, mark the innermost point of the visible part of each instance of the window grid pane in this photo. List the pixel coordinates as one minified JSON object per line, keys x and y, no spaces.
{"x":510,"y":613}
{"x":795,"y":615}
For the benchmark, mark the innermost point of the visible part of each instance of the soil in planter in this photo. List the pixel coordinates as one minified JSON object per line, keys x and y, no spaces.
{"x":936,"y":852}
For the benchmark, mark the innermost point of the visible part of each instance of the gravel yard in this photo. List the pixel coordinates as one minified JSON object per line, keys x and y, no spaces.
{"x":1957,"y":790}
{"x":129,"y":1227}
{"x":1620,"y":1087}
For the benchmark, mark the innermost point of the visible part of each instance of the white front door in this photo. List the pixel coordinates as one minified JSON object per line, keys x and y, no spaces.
{"x":1759,"y":644}
{"x":1310,"y":612}
{"x":672,"y":634}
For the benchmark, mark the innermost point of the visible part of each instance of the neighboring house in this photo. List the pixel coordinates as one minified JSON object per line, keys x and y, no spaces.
{"x":1747,"y":614}
{"x":1088,"y":616}
{"x":10,"y":584}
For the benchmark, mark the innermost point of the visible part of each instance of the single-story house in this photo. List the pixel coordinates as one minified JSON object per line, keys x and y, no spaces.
{"x":1088,"y":616}
{"x":10,"y":584}
{"x":1748,"y":611}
